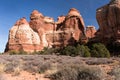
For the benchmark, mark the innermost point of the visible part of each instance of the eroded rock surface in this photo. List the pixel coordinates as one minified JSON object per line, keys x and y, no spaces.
{"x":72,"y":28}
{"x":22,"y":37}
{"x":108,"y":18}
{"x":43,"y":31}
{"x":90,"y":32}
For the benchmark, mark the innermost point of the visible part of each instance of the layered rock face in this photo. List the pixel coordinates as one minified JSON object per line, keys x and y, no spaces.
{"x":90,"y":32}
{"x":108,"y":19}
{"x":42,"y":32}
{"x":72,"y":27}
{"x":22,"y":37}
{"x":43,"y":26}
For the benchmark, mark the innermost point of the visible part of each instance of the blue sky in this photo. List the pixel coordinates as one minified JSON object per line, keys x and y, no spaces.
{"x":12,"y":10}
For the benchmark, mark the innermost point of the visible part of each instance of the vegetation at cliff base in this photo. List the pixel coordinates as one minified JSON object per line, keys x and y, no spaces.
{"x":92,"y":50}
{"x":79,"y":50}
{"x":99,"y":50}
{"x":14,"y":52}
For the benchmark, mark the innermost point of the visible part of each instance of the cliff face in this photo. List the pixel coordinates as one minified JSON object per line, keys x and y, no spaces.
{"x":43,"y":26}
{"x":42,"y":32}
{"x":22,"y":37}
{"x":71,"y":29}
{"x":108,"y":18}
{"x":90,"y":32}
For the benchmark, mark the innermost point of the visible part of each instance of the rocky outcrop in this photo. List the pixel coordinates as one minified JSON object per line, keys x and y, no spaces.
{"x":60,"y":19}
{"x":43,"y":26}
{"x":43,"y":31}
{"x":90,"y":32}
{"x":22,"y":37}
{"x":72,"y":28}
{"x":108,"y":19}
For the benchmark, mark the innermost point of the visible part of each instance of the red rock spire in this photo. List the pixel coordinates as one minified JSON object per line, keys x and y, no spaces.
{"x":21,"y":21}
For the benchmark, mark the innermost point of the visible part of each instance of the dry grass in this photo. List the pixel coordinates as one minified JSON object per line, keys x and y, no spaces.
{"x":78,"y":72}
{"x":52,"y":64}
{"x":98,"y":61}
{"x":16,"y":71}
{"x":2,"y":68}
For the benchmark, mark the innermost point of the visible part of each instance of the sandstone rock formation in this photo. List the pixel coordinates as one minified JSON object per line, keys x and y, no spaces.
{"x":22,"y":37}
{"x":108,"y":19}
{"x":72,"y":28}
{"x":43,"y":31}
{"x":43,"y":26}
{"x":60,"y":19}
{"x":90,"y":32}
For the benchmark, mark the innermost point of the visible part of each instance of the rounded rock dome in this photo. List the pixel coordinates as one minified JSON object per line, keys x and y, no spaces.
{"x":74,"y":12}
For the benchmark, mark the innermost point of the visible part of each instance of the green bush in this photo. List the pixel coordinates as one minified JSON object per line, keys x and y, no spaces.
{"x":99,"y":50}
{"x":45,"y":51}
{"x":69,"y":51}
{"x":83,"y":51}
{"x":94,"y":50}
{"x":14,"y":52}
{"x":79,"y":50}
{"x":22,"y":52}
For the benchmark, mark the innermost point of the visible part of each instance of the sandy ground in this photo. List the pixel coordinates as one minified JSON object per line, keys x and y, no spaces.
{"x":23,"y":76}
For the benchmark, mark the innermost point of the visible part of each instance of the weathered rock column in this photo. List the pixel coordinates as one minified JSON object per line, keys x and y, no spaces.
{"x":108,"y":18}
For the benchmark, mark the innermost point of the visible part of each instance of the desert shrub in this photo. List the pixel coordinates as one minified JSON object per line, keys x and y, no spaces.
{"x":99,"y":50}
{"x":29,"y":67}
{"x":14,"y":52}
{"x":79,"y":50}
{"x":83,"y":51}
{"x":65,"y":74}
{"x":13,"y":68}
{"x":22,"y":52}
{"x":45,"y":51}
{"x":44,"y":67}
{"x":78,"y":73}
{"x":98,"y":61}
{"x":9,"y":67}
{"x":69,"y":51}
{"x":116,"y":72}
{"x":17,"y":71}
